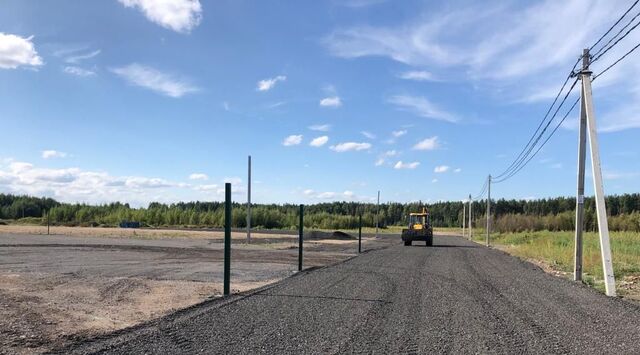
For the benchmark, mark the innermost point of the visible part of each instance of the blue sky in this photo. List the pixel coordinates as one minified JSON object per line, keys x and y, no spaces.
{"x":149,"y":100}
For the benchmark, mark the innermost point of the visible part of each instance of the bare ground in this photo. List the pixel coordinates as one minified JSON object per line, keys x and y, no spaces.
{"x":57,"y":289}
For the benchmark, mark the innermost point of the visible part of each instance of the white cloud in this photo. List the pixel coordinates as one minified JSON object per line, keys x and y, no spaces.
{"x":177,"y":15}
{"x":77,"y":71}
{"x":348,"y":194}
{"x":198,"y":176}
{"x":234,"y":180}
{"x":434,"y":181}
{"x":382,"y":159}
{"x":417,"y":75}
{"x":379,"y":162}
{"x":319,"y":141}
{"x":320,"y":127}
{"x":268,"y":84}
{"x":457,"y":170}
{"x":350,"y":146}
{"x":400,"y":133}
{"x":47,"y":154}
{"x":293,"y":139}
{"x":308,"y":192}
{"x":441,"y":169}
{"x":422,"y":107}
{"x":75,"y":59}
{"x":390,"y":153}
{"x":209,"y":187}
{"x":154,"y":80}
{"x":368,"y":134}
{"x":16,"y":51}
{"x":427,"y":144}
{"x":401,"y":165}
{"x":332,"y":101}
{"x":326,"y":195}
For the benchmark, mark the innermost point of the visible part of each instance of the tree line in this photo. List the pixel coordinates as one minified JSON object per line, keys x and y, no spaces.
{"x":508,"y":215}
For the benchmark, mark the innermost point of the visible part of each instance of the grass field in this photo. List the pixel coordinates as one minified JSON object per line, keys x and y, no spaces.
{"x":556,"y":249}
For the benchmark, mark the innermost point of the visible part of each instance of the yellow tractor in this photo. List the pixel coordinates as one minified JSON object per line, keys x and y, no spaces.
{"x":419,"y":229}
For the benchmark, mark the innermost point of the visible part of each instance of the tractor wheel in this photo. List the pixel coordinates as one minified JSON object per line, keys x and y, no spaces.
{"x":430,"y":242}
{"x":407,"y":243}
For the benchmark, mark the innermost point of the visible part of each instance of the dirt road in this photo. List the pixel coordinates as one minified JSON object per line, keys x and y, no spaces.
{"x":457,"y":297}
{"x":58,"y":289}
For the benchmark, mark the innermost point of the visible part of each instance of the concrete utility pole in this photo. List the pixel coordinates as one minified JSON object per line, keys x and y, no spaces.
{"x":582,"y":145}
{"x":249,"y":202}
{"x":377,"y":213}
{"x":464,"y":217}
{"x":470,"y":226}
{"x":596,"y":171}
{"x":488,"y":210}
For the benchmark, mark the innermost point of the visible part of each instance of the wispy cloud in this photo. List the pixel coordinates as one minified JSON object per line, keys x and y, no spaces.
{"x":48,"y":154}
{"x":16,"y":51}
{"x":368,"y":134}
{"x":417,"y":75}
{"x":397,"y":134}
{"x":291,"y":140}
{"x":333,"y":101}
{"x":441,"y":169}
{"x":319,"y":141}
{"x":268,"y":84}
{"x":198,"y":176}
{"x":422,"y":107}
{"x":75,"y":59}
{"x":320,"y":127}
{"x":155,"y":80}
{"x":350,"y":146}
{"x":402,"y":165}
{"x":77,"y":71}
{"x":177,"y":15}
{"x":431,"y":143}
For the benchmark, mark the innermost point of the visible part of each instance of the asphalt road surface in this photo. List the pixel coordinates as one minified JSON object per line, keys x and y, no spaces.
{"x":456,"y":297}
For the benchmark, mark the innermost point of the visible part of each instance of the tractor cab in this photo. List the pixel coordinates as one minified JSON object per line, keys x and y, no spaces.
{"x":419,"y":229}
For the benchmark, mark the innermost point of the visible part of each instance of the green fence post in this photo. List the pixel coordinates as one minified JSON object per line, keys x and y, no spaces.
{"x":360,"y":234}
{"x":227,"y":238}
{"x":301,"y":233}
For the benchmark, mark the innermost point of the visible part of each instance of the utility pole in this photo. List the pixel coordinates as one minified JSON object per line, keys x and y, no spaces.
{"x":582,"y":145}
{"x":470,"y":209}
{"x":488,"y":210}
{"x":377,"y":213}
{"x":596,"y":171}
{"x":464,"y":217}
{"x":249,"y":202}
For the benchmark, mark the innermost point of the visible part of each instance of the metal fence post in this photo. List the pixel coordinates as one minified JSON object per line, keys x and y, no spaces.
{"x":227,"y":238}
{"x":360,"y":233}
{"x":301,"y":233}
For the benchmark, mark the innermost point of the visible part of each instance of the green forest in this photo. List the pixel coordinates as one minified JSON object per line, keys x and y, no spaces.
{"x":507,"y":215}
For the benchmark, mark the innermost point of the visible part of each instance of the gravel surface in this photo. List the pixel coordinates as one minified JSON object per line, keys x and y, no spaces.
{"x":456,"y":297}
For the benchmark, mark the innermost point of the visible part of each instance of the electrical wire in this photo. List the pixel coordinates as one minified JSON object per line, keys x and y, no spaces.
{"x":616,"y":62}
{"x":615,"y":43}
{"x":524,"y":161}
{"x":543,"y":143}
{"x":614,"y":25}
{"x":616,"y":35}
{"x":520,"y":157}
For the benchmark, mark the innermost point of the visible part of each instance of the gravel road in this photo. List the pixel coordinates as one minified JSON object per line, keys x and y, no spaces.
{"x":457,"y":297}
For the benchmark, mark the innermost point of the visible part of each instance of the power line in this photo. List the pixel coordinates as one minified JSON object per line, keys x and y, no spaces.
{"x":617,"y":61}
{"x":614,"y":25}
{"x":518,"y":158}
{"x":616,"y":35}
{"x":483,"y":190}
{"x":545,"y":141}
{"x":527,"y":157}
{"x":615,"y":43}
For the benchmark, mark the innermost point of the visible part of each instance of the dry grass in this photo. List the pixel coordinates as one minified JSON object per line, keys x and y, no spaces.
{"x":556,"y":249}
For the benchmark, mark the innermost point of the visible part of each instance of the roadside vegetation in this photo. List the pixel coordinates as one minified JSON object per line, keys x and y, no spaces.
{"x":555,"y":250}
{"x":555,"y":214}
